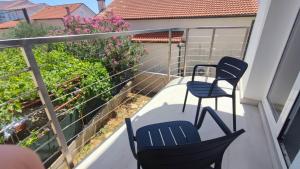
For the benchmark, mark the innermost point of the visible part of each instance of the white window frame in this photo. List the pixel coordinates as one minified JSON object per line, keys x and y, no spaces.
{"x":276,"y":126}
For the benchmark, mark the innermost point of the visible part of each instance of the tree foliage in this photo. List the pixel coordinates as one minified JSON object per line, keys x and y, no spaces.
{"x":57,"y":67}
{"x":25,"y":30}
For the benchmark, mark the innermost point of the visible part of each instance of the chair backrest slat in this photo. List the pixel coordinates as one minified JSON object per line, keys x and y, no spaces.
{"x":230,"y":67}
{"x":189,"y":156}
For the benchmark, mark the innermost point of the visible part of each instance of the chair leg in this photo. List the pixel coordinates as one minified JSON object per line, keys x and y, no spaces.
{"x":234,"y":113}
{"x":198,"y":110}
{"x":138,"y":165}
{"x":216,"y":103}
{"x":218,"y":163}
{"x":186,"y":95}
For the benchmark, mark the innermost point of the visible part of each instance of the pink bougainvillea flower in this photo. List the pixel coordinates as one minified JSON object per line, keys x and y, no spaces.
{"x":86,"y":31}
{"x":77,"y":30}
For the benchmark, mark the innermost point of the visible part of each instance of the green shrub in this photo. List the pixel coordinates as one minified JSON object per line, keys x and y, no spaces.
{"x":57,"y":67}
{"x":25,"y":30}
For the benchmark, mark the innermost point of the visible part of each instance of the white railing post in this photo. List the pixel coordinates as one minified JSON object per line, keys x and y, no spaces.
{"x":185,"y":50}
{"x":211,"y":50}
{"x":45,"y":99}
{"x":169,"y":54}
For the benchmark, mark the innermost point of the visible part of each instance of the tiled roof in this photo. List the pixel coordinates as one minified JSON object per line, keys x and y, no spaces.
{"x":159,"y":9}
{"x":49,"y":12}
{"x":9,"y":24}
{"x":16,"y":4}
{"x":55,"y":12}
{"x":159,"y":37}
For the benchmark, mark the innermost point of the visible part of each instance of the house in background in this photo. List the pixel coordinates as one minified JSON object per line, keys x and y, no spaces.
{"x":12,"y":10}
{"x":157,"y":46}
{"x":52,"y":16}
{"x":269,"y":91}
{"x":153,"y":14}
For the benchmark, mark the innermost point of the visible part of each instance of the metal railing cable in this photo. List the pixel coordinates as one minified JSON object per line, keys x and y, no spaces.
{"x":103,"y":79}
{"x":53,"y":154}
{"x":45,"y":143}
{"x":45,"y":126}
{"x":16,"y":73}
{"x":108,"y":90}
{"x":24,"y":94}
{"x":106,"y":114}
{"x":112,"y":111}
{"x":46,"y":102}
{"x":140,"y":82}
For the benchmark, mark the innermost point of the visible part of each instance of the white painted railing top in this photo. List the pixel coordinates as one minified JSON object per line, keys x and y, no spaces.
{"x":62,"y":38}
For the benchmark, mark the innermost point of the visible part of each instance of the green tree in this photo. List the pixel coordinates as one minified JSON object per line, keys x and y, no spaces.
{"x":25,"y":30}
{"x":57,"y":67}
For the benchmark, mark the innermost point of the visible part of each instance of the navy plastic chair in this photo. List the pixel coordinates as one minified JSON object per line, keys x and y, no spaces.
{"x":228,"y":69}
{"x":177,"y":144}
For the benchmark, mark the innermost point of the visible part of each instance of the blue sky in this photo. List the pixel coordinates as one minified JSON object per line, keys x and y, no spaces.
{"x":90,"y":3}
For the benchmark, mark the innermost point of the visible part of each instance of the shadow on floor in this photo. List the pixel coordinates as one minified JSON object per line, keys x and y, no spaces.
{"x":115,"y":152}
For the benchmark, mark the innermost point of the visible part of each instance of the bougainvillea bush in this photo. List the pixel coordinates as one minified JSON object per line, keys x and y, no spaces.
{"x":116,"y":53}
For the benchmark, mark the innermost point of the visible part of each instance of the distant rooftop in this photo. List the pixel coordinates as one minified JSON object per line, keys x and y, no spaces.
{"x":55,"y":12}
{"x":49,"y":12}
{"x":160,"y":9}
{"x":9,"y":24}
{"x":17,"y":4}
{"x":159,"y":37}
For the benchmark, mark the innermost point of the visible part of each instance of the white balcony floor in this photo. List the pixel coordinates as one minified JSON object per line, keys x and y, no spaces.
{"x":249,"y":151}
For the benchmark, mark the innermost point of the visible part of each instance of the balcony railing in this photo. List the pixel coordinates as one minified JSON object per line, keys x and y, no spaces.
{"x":161,"y":63}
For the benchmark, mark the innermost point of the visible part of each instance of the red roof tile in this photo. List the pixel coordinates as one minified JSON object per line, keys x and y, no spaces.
{"x":159,"y":9}
{"x":158,"y":37}
{"x":55,"y":12}
{"x":9,"y":24}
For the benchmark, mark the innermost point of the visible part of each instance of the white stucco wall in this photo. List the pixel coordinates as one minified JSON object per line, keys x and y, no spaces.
{"x":84,"y":11}
{"x":265,"y":51}
{"x":182,"y":23}
{"x":33,"y":10}
{"x":156,"y":59}
{"x":272,"y":28}
{"x":227,"y":42}
{"x":254,"y":42}
{"x":51,"y":22}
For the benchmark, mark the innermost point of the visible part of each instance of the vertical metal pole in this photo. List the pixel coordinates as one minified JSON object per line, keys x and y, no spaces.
{"x":169,"y":54}
{"x":26,"y":16}
{"x":211,"y":50}
{"x":179,"y":59}
{"x":187,"y":31}
{"x":44,"y":96}
{"x":245,"y":43}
